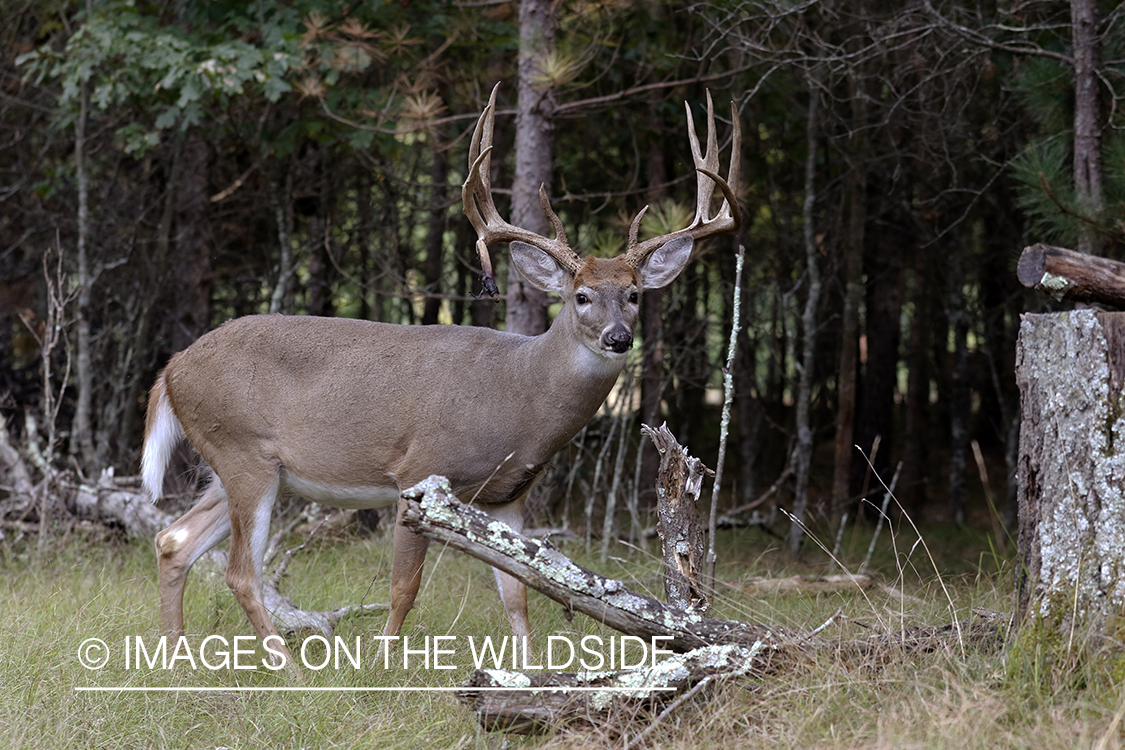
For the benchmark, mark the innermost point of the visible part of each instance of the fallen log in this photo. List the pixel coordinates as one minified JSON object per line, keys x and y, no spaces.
{"x":805,"y":585}
{"x":119,"y":500}
{"x":434,"y":512}
{"x":13,"y":470}
{"x":522,"y":703}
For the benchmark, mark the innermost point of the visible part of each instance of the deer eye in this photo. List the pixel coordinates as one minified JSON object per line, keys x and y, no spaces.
{"x":634,"y":297}
{"x":581,"y":299}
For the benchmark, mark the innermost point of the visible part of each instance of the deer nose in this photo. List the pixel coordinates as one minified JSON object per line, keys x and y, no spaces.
{"x":618,"y":339}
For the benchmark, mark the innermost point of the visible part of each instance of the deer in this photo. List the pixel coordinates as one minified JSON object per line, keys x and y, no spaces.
{"x":349,"y":413}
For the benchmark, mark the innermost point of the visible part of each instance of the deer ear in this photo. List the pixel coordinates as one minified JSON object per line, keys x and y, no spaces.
{"x":659,"y":269}
{"x":536,"y":267}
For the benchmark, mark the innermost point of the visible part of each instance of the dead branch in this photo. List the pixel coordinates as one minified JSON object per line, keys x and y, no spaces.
{"x":730,"y":518}
{"x":18,"y":478}
{"x":1066,"y":274}
{"x":803,"y":585}
{"x":120,"y":501}
{"x":434,"y":512}
{"x":544,"y":700}
{"x":291,"y":619}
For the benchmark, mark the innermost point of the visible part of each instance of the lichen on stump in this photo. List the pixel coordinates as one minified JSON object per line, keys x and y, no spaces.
{"x":1071,"y":579}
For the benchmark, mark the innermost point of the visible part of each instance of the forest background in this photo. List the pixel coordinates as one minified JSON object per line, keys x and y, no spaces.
{"x":167,"y":166}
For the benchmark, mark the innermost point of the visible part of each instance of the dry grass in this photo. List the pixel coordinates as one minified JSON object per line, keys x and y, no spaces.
{"x":950,"y":698}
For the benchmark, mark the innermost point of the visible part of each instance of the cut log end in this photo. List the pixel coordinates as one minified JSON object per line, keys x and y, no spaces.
{"x":1032,"y":265}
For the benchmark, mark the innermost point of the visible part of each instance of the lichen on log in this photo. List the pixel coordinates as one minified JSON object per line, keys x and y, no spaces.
{"x":434,"y":512}
{"x":521,"y":703}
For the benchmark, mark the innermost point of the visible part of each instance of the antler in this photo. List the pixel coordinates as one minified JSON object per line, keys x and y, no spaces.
{"x":729,"y":217}
{"x":476,"y":195}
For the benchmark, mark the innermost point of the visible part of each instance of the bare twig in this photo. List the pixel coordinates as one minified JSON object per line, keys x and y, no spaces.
{"x":724,"y":423}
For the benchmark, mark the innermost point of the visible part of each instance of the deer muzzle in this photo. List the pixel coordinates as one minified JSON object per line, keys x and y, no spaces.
{"x":617,"y":339}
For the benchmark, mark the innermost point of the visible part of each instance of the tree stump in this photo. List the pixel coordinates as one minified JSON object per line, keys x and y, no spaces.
{"x":1071,"y":581}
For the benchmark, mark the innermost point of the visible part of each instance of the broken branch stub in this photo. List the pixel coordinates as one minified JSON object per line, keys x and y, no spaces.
{"x":679,"y":482}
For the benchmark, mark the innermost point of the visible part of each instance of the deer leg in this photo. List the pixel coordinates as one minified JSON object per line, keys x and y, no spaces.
{"x":181,"y":544}
{"x":251,"y":505}
{"x":513,"y":593}
{"x":406,"y":572}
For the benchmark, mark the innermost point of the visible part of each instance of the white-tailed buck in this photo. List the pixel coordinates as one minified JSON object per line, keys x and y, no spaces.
{"x":349,"y":412}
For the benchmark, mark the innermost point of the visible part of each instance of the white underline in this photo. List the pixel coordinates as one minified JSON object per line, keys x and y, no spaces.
{"x":265,"y":689}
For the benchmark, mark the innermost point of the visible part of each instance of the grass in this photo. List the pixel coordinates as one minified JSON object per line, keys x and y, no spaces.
{"x":946,"y":699}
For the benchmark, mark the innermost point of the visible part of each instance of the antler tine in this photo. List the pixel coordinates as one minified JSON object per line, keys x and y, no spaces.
{"x":480,"y":208}
{"x":556,"y":222}
{"x":729,"y":217}
{"x":479,"y":183}
{"x":704,"y":187}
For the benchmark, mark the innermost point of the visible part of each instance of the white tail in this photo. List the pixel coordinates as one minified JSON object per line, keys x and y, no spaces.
{"x":163,"y":432}
{"x":348,"y":412}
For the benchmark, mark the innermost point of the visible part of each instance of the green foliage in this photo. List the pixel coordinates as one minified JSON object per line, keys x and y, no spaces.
{"x":126,"y":58}
{"x":1043,"y":171}
{"x":1046,"y":90}
{"x":666,"y":217}
{"x":1046,"y":185}
{"x":1114,"y":174}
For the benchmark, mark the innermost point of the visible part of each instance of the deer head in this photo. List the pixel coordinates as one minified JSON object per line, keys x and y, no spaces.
{"x":551,"y":264}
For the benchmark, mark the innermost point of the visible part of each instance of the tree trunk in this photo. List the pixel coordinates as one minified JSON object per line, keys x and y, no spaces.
{"x":804,"y":445}
{"x":749,"y":410}
{"x":853,"y":300}
{"x":535,"y":130}
{"x":652,"y":388}
{"x":883,"y":307}
{"x":363,"y":241}
{"x":435,"y":236}
{"x":281,"y":201}
{"x":916,"y":402}
{"x":1070,"y":581}
{"x":321,"y":272}
{"x":192,"y":261}
{"x":960,"y":402}
{"x":652,"y":337}
{"x":1087,"y":120}
{"x":82,"y":436}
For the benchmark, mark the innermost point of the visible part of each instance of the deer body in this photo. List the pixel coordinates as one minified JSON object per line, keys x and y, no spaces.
{"x":349,"y":413}
{"x":471,"y":395}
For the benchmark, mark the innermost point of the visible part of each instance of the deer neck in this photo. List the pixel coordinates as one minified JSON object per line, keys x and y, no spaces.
{"x":574,"y":365}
